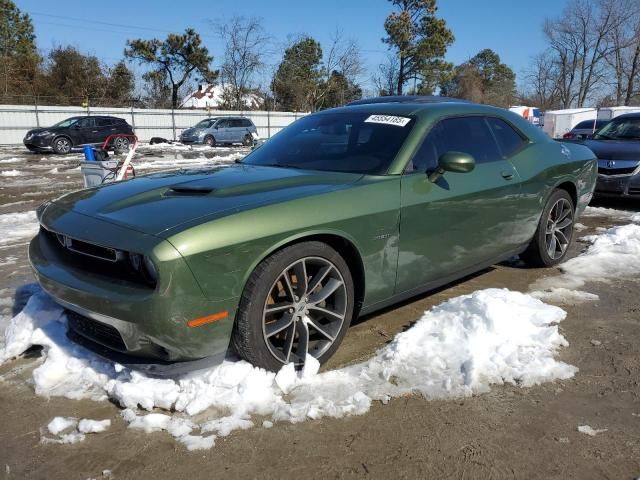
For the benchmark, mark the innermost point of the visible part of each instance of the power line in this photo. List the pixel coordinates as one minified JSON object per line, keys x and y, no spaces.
{"x":133,"y":28}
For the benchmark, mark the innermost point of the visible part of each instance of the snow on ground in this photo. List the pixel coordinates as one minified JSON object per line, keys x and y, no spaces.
{"x":588,"y":430}
{"x":10,"y":173}
{"x":608,"y":212}
{"x":17,"y":227}
{"x":614,"y":253}
{"x":457,"y":349}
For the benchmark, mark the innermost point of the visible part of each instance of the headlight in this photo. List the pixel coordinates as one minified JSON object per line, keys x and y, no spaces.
{"x":145,"y":266}
{"x":43,"y":133}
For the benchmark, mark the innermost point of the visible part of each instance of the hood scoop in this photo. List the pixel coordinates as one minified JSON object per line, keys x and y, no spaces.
{"x":188,"y":191}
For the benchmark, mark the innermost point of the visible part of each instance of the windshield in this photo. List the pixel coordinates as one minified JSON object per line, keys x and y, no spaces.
{"x":66,"y":123}
{"x":622,"y":129}
{"x":339,"y":142}
{"x":205,"y":123}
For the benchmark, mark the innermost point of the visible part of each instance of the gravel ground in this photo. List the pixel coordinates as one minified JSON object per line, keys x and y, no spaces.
{"x":510,"y":432}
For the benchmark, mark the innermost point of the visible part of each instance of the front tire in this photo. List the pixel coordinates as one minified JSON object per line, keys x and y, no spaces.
{"x":554,"y":233}
{"x":62,"y":145}
{"x":209,"y":140}
{"x":299,"y":301}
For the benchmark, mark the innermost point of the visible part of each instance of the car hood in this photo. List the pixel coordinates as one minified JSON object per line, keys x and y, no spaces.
{"x":614,"y":149}
{"x":189,"y":131}
{"x":35,"y":131}
{"x":156,"y":203}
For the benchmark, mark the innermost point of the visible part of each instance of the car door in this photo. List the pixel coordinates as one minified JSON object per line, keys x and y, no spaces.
{"x":462,"y":220}
{"x":222,"y":131}
{"x":105,"y":127}
{"x":236,"y":130}
{"x":86,"y":131}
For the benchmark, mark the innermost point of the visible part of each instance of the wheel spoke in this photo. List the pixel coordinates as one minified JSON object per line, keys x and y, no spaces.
{"x":561,"y":237}
{"x":564,"y":224}
{"x":551,"y":247}
{"x":303,"y":340}
{"x":320,"y":329}
{"x":279,"y":325}
{"x":326,"y":312}
{"x":300,"y":269}
{"x":563,"y":214}
{"x":287,"y":282}
{"x":288,"y":343}
{"x":278,"y":307}
{"x":320,"y":276}
{"x":331,"y":286}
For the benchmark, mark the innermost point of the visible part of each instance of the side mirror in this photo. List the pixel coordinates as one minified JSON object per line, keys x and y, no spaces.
{"x":457,"y":162}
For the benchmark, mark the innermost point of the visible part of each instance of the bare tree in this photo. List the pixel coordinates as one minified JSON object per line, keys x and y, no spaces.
{"x":624,"y":54}
{"x":580,"y":42}
{"x":342,"y":68}
{"x":246,"y":45}
{"x":386,"y":78}
{"x":542,"y":81}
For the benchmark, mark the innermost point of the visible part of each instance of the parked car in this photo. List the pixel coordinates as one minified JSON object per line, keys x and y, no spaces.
{"x":585,"y":129}
{"x":76,"y":132}
{"x":617,"y":146}
{"x":220,"y":131}
{"x":344,"y":212}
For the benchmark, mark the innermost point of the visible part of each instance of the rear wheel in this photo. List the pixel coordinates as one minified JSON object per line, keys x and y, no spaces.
{"x":299,"y":301}
{"x":62,"y":145}
{"x":555,"y":231}
{"x":121,"y":144}
{"x":247,"y":141}
{"x":209,"y":140}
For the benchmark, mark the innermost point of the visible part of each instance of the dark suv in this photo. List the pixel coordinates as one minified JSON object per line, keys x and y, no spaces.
{"x":76,"y":132}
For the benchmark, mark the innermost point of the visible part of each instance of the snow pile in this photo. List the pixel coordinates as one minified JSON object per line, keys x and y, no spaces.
{"x":457,"y":349}
{"x":613,"y":254}
{"x":608,"y":212}
{"x":75,"y":430}
{"x":588,"y":430}
{"x":17,"y":227}
{"x":10,"y":173}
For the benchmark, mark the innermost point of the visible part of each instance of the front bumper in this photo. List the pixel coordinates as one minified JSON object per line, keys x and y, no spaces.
{"x":135,"y":320}
{"x":38,"y":144}
{"x":618,"y":185}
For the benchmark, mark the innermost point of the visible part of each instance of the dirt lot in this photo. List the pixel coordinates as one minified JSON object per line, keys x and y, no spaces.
{"x":511,"y":432}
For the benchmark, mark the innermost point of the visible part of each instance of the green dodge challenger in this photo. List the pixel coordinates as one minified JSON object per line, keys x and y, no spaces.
{"x":344,"y":212}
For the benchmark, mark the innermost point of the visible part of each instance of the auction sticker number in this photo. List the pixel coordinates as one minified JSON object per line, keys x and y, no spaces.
{"x":388,"y":120}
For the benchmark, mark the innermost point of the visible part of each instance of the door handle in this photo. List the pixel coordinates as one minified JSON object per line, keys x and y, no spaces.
{"x":507,"y":175}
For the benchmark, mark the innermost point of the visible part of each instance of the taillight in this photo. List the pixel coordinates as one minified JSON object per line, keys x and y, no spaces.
{"x":569,"y":135}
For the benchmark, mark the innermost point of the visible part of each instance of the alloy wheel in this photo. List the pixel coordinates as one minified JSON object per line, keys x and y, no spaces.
{"x":304,"y":310}
{"x":62,"y":145}
{"x":558,"y":231}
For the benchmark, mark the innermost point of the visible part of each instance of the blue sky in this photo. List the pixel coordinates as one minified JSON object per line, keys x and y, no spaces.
{"x":510,"y":27}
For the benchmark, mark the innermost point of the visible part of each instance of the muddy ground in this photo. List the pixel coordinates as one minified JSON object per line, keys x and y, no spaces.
{"x":510,"y":432}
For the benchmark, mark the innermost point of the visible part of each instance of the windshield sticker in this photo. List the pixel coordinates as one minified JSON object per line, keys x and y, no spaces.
{"x":388,"y":120}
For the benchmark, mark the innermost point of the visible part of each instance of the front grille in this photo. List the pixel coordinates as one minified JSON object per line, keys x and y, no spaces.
{"x":89,"y":249}
{"x":97,"y":331}
{"x":634,"y":190}
{"x":616,"y":171}
{"x":97,"y":261}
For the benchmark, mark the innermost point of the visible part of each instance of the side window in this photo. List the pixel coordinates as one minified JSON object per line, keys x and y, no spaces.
{"x":246,"y":122}
{"x":222,"y":124}
{"x":469,"y":135}
{"x":426,"y":158}
{"x":508,"y":139}
{"x":103,"y":122}
{"x":236,"y":123}
{"x":87,"y":122}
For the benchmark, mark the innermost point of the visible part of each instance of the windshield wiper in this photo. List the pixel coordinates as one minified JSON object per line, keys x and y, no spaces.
{"x":280,"y":165}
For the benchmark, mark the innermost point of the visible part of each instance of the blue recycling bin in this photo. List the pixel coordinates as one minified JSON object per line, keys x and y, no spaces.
{"x":89,"y":154}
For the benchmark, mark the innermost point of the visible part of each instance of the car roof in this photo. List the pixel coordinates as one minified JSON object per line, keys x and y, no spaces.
{"x":406,"y":99}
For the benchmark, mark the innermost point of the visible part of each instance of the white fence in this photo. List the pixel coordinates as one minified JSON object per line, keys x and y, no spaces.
{"x":15,"y":120}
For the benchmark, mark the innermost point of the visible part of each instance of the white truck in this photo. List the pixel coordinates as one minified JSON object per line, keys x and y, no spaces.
{"x":559,"y":122}
{"x":609,"y":113}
